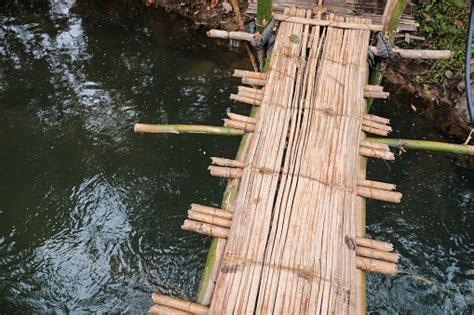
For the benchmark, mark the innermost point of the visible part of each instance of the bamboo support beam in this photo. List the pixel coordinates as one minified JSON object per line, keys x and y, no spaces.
{"x":418,"y":53}
{"x":227,"y":162}
{"x":376,"y":118}
{"x":245,"y":99}
{"x":254,"y":82}
{"x":376,"y":94}
{"x":206,"y":229}
{"x":425,"y":145}
{"x":242,"y":118}
{"x":376,"y":125}
{"x":329,"y":23}
{"x":165,"y":310}
{"x":186,"y":306}
{"x":374,"y":265}
{"x":251,"y":95}
{"x":233,"y":35}
{"x":376,"y":153}
{"x":377,"y":254}
{"x":249,"y":90}
{"x":212,"y":211}
{"x":374,"y":145}
{"x":181,"y":129}
{"x":376,"y":185}
{"x":226,"y":172}
{"x":379,"y":194}
{"x":374,"y":131}
{"x":208,"y":218}
{"x":375,"y":244}
{"x":235,"y":124}
{"x":249,"y":74}
{"x":373,"y":88}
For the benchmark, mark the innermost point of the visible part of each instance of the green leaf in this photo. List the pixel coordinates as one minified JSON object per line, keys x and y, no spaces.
{"x":294,"y":39}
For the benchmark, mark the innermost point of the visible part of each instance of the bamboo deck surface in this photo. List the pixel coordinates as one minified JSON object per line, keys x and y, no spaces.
{"x":297,"y":204}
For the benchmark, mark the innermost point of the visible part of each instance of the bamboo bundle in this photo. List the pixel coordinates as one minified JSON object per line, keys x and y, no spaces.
{"x":179,"y":129}
{"x":233,"y":35}
{"x":186,"y":306}
{"x":376,"y":153}
{"x":227,"y":162}
{"x":242,"y":118}
{"x":376,"y":94}
{"x":206,"y":229}
{"x":226,"y":172}
{"x":374,"y":265}
{"x":208,"y":218}
{"x":376,"y":185}
{"x":374,"y":244}
{"x":418,"y":53}
{"x":212,"y":211}
{"x":377,"y":254}
{"x":235,"y":124}
{"x":250,"y":74}
{"x":245,"y":99}
{"x":379,"y":194}
{"x":254,"y":82}
{"x":165,"y":310}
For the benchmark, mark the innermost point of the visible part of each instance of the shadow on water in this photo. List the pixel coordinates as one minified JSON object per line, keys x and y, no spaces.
{"x":90,"y":213}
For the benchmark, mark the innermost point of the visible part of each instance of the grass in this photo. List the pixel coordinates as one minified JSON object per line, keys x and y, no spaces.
{"x":444,"y":25}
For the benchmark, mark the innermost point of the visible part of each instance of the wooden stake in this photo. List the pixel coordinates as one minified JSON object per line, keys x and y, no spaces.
{"x":182,"y":305}
{"x":204,"y":228}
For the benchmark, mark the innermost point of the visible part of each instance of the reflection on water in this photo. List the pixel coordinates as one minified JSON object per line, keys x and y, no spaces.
{"x":90,"y":213}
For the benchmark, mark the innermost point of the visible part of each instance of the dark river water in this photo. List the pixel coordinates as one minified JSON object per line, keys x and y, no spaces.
{"x":90,"y":212}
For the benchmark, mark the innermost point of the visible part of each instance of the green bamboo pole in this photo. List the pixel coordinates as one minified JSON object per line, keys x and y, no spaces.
{"x":196,"y":129}
{"x":425,"y":145}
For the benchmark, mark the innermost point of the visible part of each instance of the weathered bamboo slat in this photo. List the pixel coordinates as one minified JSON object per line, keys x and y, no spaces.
{"x":250,"y":74}
{"x":418,"y":53}
{"x":179,"y":129}
{"x":233,"y":35}
{"x":208,"y":218}
{"x":245,"y":99}
{"x":247,"y":127}
{"x":346,"y":25}
{"x":374,"y":265}
{"x":254,"y":82}
{"x":212,"y":211}
{"x":379,"y":194}
{"x":375,"y":244}
{"x":376,"y":94}
{"x":377,"y":254}
{"x":226,"y":172}
{"x":227,"y":162}
{"x":166,"y":310}
{"x":204,"y":228}
{"x":376,"y":153}
{"x":182,"y":305}
{"x":376,"y":185}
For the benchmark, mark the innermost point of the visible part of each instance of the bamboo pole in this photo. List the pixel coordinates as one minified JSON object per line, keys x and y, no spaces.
{"x":165,"y":310}
{"x":373,"y":88}
{"x":227,"y":162}
{"x":374,"y":145}
{"x":418,"y":53}
{"x":375,"y":131}
{"x":181,"y":129}
{"x":375,"y":244}
{"x":378,"y":119}
{"x":247,"y":127}
{"x":376,"y":94}
{"x":376,"y":153}
{"x":249,"y":90}
{"x":425,"y":145}
{"x":376,"y":125}
{"x":254,"y":82}
{"x":249,"y":74}
{"x":245,"y":99}
{"x":233,"y":35}
{"x":376,"y":185}
{"x":377,"y":254}
{"x":204,"y":228}
{"x":212,"y":211}
{"x":335,"y":24}
{"x":378,"y":194}
{"x":182,"y":305}
{"x":374,"y":265}
{"x":226,"y":172}
{"x":208,"y":218}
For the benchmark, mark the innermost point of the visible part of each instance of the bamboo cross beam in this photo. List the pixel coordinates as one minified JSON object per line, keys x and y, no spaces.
{"x":211,"y":210}
{"x":425,"y":145}
{"x":251,"y":91}
{"x":376,"y":153}
{"x":378,"y":119}
{"x":227,"y":162}
{"x":373,"y":88}
{"x":369,"y":125}
{"x":379,"y":194}
{"x":182,"y":305}
{"x":375,"y":265}
{"x":254,"y":82}
{"x":374,"y":145}
{"x":247,"y":127}
{"x":251,"y":94}
{"x":249,"y":74}
{"x":226,"y":172}
{"x":376,"y":94}
{"x":375,"y":244}
{"x":233,"y":35}
{"x":418,"y":53}
{"x":377,"y":254}
{"x":242,"y":118}
{"x":245,"y":99}
{"x":376,"y":185}
{"x":375,"y":131}
{"x":160,"y":310}
{"x":329,"y":23}
{"x":209,"y":218}
{"x":181,"y":129}
{"x":206,"y":229}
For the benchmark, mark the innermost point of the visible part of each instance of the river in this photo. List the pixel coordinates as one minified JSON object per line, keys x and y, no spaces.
{"x":90,"y":212}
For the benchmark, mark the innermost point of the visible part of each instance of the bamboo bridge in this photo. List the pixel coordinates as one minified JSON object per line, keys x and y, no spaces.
{"x":290,"y":236}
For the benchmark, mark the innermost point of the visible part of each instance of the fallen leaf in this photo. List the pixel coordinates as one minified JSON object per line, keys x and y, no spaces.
{"x":294,"y":39}
{"x":413,"y":107}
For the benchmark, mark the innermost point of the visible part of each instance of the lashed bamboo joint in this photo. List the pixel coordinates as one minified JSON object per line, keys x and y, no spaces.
{"x":165,"y":304}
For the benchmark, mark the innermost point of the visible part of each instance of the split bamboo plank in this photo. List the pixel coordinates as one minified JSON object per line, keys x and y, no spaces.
{"x":206,"y":229}
{"x":182,"y":305}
